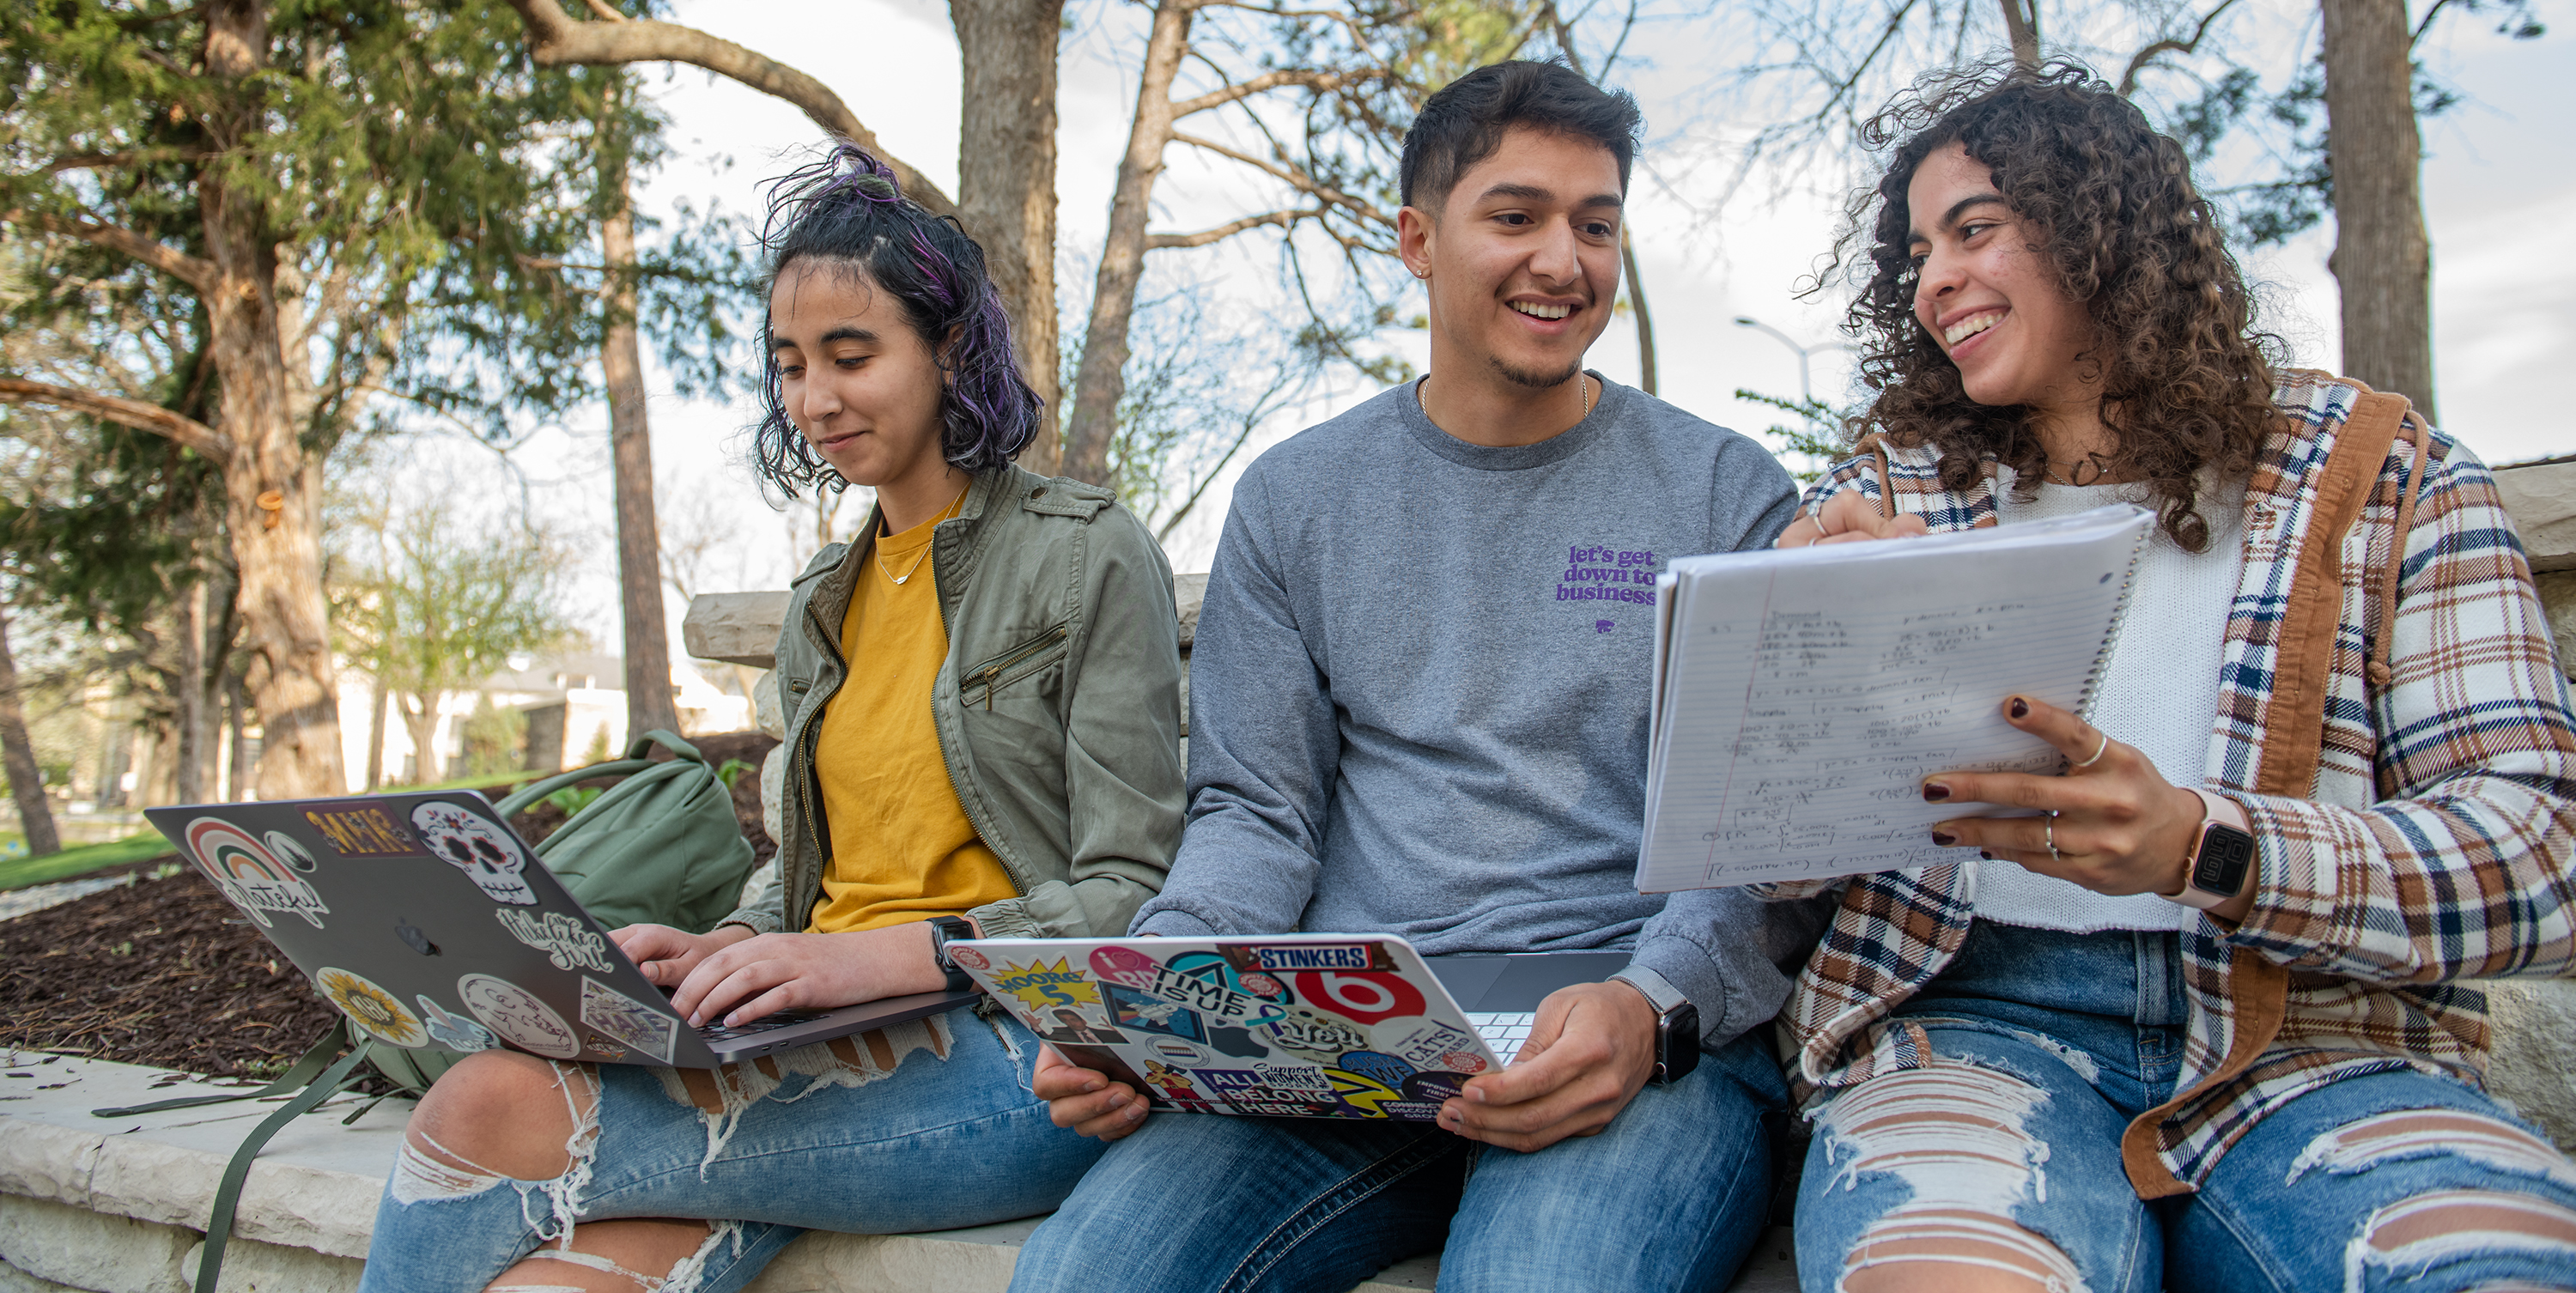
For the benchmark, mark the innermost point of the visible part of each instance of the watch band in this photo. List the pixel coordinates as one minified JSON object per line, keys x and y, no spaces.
{"x":942,"y":930}
{"x":2221,"y":858}
{"x":1676,"y":1023}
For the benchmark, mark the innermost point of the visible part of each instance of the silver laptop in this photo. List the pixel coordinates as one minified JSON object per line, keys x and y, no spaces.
{"x":429,"y":922}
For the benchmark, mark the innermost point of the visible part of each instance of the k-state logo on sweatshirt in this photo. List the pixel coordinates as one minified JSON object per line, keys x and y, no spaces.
{"x":1601,"y":572}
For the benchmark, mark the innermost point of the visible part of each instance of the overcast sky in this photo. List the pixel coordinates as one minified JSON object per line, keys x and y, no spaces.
{"x":2499,"y":176}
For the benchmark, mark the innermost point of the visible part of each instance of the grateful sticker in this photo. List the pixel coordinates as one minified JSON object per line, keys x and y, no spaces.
{"x":639,"y":1027}
{"x":455,"y":1032}
{"x":565,"y":940}
{"x":518,"y":1016}
{"x":371,"y":1008}
{"x":250,"y":878}
{"x":487,"y":854}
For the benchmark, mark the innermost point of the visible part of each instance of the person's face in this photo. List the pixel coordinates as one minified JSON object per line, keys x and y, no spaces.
{"x":1992,"y":302}
{"x":855,"y":378}
{"x":1523,"y":257}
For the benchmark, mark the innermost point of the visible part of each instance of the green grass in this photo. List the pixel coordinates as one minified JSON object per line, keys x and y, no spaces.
{"x":18,"y":873}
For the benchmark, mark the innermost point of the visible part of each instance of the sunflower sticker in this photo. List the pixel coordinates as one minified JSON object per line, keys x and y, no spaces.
{"x":373,"y":1009}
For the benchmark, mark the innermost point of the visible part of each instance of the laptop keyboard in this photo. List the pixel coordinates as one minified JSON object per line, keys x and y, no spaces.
{"x":1503,"y":1032}
{"x":764,"y":1024}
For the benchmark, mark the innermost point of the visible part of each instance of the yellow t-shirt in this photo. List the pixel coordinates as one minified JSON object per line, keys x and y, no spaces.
{"x":902,"y":848}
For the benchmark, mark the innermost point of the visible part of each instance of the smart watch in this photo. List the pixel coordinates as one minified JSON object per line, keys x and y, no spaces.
{"x":2221,"y":857}
{"x":942,"y":930}
{"x":1676,"y":1023}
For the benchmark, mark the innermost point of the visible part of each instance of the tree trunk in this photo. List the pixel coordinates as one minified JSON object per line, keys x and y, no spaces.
{"x":1102,"y":381}
{"x":1006,"y":181}
{"x":18,"y":754}
{"x":1645,"y":320}
{"x":2383,"y":260}
{"x":192,"y":722}
{"x":420,"y":720}
{"x":376,"y":735}
{"x":2021,"y":24}
{"x":639,"y":540}
{"x":237,"y":727}
{"x":273,"y":485}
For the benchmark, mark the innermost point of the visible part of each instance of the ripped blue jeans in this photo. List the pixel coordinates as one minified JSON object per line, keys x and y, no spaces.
{"x":921,"y":1126}
{"x":2004,"y":1153}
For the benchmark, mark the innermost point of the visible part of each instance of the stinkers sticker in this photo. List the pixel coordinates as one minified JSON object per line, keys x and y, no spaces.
{"x":455,"y":1032}
{"x":380,"y":1013}
{"x":564,"y":939}
{"x":518,"y":1016}
{"x":637,"y":1026}
{"x":250,"y":878}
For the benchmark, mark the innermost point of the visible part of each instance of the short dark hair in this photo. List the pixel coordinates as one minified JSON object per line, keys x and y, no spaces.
{"x":1465,"y":121}
{"x":847,"y":210}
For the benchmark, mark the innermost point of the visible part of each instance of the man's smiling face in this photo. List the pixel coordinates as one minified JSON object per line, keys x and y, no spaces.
{"x":1524,"y":257}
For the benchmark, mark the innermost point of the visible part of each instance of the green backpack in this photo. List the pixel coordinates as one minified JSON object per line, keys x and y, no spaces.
{"x":661,"y":847}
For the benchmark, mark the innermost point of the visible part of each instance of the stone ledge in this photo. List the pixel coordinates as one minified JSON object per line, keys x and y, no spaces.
{"x":2541,"y":496}
{"x":101,"y":1206}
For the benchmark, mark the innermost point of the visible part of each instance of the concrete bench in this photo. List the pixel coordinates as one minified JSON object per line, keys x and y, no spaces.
{"x":120,"y":1206}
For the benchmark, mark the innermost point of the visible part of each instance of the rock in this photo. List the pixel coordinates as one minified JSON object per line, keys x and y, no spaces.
{"x":773,"y":790}
{"x":765,"y":709}
{"x":2558,"y":595}
{"x":1190,"y":592}
{"x":738,"y":628}
{"x":14,"y":1280}
{"x":67,"y":1245}
{"x":2542,"y":499}
{"x":2532,"y":1029}
{"x":251,"y":1267}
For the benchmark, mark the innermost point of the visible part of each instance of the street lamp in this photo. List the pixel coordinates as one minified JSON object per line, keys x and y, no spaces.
{"x":1806,"y":388}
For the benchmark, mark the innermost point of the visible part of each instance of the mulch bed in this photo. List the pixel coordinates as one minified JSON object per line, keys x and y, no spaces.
{"x":168,"y":974}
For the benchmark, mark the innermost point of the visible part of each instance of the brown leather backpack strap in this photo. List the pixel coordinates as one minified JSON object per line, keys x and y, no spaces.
{"x":2294,"y":723}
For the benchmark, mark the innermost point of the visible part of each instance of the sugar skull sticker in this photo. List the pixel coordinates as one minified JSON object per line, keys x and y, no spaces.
{"x":252,"y":878}
{"x":487,"y":854}
{"x":380,"y":1013}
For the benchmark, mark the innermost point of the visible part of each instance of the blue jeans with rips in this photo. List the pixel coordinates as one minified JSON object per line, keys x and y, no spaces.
{"x":1671,"y":1195}
{"x":2004,"y":1152}
{"x":921,"y":1126}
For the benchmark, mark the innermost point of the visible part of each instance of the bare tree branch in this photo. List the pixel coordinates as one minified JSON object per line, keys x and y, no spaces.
{"x":135,"y":157}
{"x":196,"y":273}
{"x":2138,"y":64}
{"x":1230,"y":228}
{"x":1294,"y":178}
{"x":555,"y":39}
{"x":1312,"y":80}
{"x":180,"y":428}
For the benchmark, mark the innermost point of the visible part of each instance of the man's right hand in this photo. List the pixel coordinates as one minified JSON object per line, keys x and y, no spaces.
{"x":1084,"y":1099}
{"x":1848,"y":517}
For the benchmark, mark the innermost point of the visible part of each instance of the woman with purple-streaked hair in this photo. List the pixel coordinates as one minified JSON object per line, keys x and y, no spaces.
{"x":982,"y":694}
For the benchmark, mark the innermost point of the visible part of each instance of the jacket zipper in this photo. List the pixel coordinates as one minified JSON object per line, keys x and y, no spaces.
{"x":992,"y":673}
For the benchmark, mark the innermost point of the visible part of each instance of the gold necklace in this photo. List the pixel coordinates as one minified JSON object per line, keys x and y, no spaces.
{"x":879,"y":550}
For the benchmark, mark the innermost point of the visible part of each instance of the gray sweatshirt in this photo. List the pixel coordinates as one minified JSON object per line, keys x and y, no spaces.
{"x":1418,"y":694}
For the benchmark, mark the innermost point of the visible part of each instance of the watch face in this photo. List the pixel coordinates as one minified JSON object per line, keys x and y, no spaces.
{"x":2226,"y":854}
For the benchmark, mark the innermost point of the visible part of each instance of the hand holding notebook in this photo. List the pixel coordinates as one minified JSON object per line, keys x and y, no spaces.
{"x":1801,"y":696}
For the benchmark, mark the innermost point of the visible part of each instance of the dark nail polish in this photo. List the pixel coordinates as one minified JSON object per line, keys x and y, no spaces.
{"x":1944,"y":838}
{"x":1934,"y":792}
{"x":2020,"y":708}
{"x":1984,"y":854}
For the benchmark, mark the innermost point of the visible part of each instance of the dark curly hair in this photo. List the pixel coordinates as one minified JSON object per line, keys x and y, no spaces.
{"x":846,"y":210}
{"x":2108,"y":204}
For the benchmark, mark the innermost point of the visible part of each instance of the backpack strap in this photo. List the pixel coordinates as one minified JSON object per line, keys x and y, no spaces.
{"x":219,"y":1220}
{"x":634,"y":762}
{"x":315,"y":1059}
{"x":2293,"y":737}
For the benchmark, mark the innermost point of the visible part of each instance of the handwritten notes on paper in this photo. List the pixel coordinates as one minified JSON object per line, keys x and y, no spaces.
{"x":1802,"y":696}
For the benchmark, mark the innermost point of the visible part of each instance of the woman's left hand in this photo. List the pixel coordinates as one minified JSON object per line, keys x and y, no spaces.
{"x":2114,"y":824}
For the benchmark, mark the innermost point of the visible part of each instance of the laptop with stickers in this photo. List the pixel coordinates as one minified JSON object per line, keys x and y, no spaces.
{"x":429,"y":922}
{"x":1300,"y":1025}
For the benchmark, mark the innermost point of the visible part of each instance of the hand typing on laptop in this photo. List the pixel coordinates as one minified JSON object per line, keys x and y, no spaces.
{"x":733,"y":976}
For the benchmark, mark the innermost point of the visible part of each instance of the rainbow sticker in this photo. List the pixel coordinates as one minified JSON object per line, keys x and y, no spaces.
{"x":251,"y":878}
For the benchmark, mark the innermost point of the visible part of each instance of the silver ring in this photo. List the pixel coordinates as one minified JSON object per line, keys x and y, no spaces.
{"x":2048,"y":835}
{"x":2098,"y":752}
{"x":1820,"y":537}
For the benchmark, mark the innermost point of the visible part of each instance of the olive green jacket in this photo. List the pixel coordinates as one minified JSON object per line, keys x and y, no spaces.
{"x":1058,"y":707}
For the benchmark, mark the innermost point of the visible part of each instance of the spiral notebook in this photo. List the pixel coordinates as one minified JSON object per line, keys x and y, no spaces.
{"x":1801,"y":696}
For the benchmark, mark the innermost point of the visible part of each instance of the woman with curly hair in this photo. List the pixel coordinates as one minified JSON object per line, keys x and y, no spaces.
{"x":983,"y":697}
{"x":2203,"y":1023}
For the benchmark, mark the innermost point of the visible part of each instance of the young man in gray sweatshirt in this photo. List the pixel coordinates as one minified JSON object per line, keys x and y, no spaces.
{"x":1418,"y":707}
